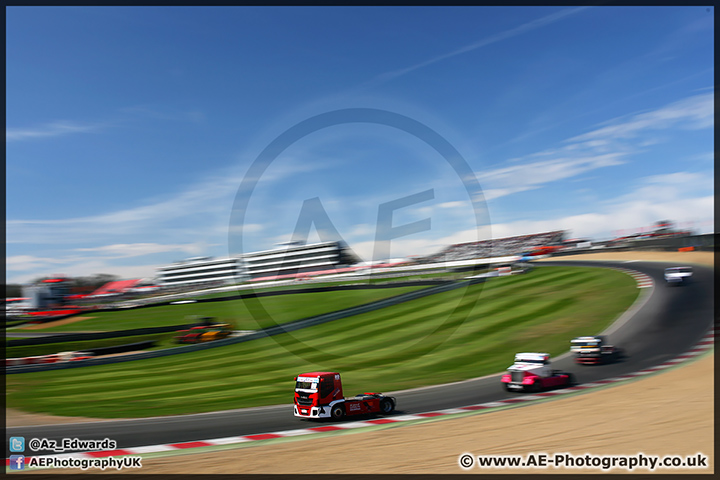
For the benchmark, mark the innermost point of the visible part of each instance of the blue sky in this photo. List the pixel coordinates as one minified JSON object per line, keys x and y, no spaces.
{"x":131,"y":129}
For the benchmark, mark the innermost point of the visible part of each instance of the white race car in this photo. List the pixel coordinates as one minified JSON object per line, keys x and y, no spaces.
{"x":678,"y":275}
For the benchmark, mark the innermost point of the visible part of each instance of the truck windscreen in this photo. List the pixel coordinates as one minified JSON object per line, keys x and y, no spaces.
{"x":306,"y":385}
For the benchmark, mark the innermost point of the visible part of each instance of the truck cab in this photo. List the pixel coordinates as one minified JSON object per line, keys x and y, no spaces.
{"x":594,"y":350}
{"x":320,"y":395}
{"x":532,"y":372}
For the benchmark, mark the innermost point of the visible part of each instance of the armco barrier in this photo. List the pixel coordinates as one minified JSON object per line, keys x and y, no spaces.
{"x":128,"y":347}
{"x":172,"y":298}
{"x":275,"y":330}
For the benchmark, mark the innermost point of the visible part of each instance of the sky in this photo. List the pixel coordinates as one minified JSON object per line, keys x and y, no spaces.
{"x":141,"y":136}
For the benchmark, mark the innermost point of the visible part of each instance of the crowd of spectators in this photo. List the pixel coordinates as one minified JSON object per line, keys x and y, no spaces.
{"x":499,"y":247}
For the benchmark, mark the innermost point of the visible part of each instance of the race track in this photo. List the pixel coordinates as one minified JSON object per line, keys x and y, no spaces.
{"x":670,"y":322}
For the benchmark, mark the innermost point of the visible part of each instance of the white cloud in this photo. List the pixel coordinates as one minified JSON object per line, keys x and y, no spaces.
{"x":493,"y":193}
{"x":28,"y":262}
{"x":703,"y":157}
{"x":361,"y":230}
{"x":54,"y":129}
{"x":622,"y":216}
{"x":672,"y":186}
{"x":453,"y":205}
{"x":246,"y":228}
{"x":521,"y":177}
{"x":681,"y":197}
{"x":30,"y":267}
{"x":693,"y":113}
{"x":205,"y":205}
{"x":124,"y":250}
{"x":513,"y":32}
{"x":604,"y":147}
{"x":211,"y":199}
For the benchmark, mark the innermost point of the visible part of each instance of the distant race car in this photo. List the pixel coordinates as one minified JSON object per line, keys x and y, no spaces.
{"x":204,"y":333}
{"x":594,"y":350}
{"x":678,"y":275}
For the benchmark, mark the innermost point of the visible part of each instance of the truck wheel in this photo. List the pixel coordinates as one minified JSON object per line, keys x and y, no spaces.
{"x":337,"y":412}
{"x":537,"y":386}
{"x":386,"y":405}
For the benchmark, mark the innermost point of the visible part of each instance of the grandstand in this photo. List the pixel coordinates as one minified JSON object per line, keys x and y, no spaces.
{"x":499,"y":247}
{"x":661,"y":229}
{"x":285,"y":261}
{"x":201,"y":270}
{"x":117,"y":287}
{"x":294,"y":258}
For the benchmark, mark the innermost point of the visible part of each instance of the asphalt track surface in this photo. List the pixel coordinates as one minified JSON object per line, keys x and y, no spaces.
{"x":670,"y":321}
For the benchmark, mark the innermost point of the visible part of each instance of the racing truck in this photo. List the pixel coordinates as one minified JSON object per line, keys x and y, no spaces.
{"x":594,"y":350}
{"x":678,"y":275}
{"x":531,"y":372}
{"x":320,"y":395}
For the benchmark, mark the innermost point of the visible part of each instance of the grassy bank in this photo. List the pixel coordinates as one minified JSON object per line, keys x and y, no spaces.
{"x":442,"y":338}
{"x":282,"y":308}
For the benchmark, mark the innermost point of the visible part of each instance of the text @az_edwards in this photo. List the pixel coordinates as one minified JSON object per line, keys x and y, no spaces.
{"x":71,"y":445}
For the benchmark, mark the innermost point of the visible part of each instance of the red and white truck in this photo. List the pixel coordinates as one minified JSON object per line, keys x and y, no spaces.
{"x":594,"y":350}
{"x":320,"y":395}
{"x":531,"y":372}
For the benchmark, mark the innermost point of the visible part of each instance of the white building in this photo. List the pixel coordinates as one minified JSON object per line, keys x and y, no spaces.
{"x":288,"y":259}
{"x":291,"y":259}
{"x":202,"y":270}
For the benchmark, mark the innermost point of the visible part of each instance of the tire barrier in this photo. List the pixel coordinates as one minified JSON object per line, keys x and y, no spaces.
{"x":79,"y":355}
{"x":75,"y":337}
{"x":38,"y":360}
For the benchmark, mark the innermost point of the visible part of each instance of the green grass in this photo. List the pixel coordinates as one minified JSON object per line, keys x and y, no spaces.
{"x":367,"y":280}
{"x":442,"y":338}
{"x":281,"y":308}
